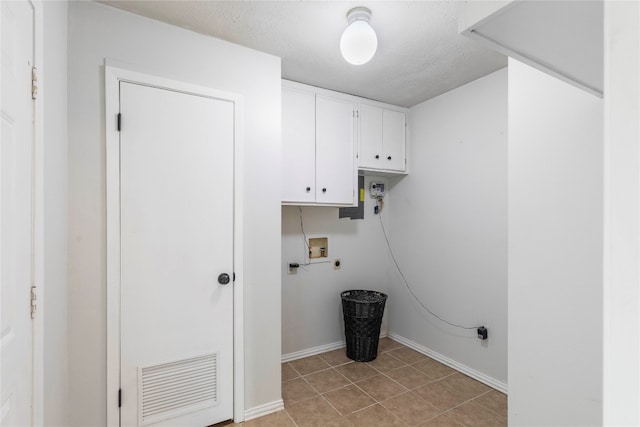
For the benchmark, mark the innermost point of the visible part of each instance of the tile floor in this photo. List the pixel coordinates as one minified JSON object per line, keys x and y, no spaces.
{"x":400,"y":388}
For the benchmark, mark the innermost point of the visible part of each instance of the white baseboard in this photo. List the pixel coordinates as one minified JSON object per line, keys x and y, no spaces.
{"x":312,"y":351}
{"x":318,"y":350}
{"x":262,"y":410}
{"x":483,"y":378}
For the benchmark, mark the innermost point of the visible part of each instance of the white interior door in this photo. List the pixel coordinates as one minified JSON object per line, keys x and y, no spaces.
{"x":16,"y":214}
{"x":176,"y":208}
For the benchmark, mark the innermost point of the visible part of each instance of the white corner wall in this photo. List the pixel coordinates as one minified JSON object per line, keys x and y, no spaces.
{"x":555,"y":251}
{"x":449,"y":227}
{"x":311,"y":304}
{"x":97,"y":32}
{"x":54,"y":94}
{"x":621,"y":296}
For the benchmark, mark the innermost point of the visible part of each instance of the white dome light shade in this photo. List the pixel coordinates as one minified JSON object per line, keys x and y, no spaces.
{"x":359,"y":42}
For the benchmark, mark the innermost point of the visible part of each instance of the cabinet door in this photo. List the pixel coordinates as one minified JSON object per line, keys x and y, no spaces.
{"x":370,"y":153}
{"x":335,"y":157}
{"x":298,"y":146}
{"x":393,"y":136}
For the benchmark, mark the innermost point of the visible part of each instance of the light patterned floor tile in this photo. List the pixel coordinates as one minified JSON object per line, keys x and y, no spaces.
{"x":374,"y":416}
{"x":349,"y":399}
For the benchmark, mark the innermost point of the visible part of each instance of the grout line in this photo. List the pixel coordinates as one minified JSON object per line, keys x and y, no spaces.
{"x":296,"y":371}
{"x":330,"y":404}
{"x":383,"y":373}
{"x":375,"y":402}
{"x":458,"y":423}
{"x":322,"y":396}
{"x":463,"y":403}
{"x":302,"y":400}
{"x":318,"y":391}
{"x":291,"y":418}
{"x":381,"y":405}
{"x":362,"y":390}
{"x":487,"y":408}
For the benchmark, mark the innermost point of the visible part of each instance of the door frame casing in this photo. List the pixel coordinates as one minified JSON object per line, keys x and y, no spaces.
{"x":37,"y":222}
{"x":39,"y":280}
{"x":113,"y":76}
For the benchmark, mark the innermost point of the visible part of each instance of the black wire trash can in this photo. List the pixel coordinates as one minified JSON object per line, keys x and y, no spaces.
{"x":362,"y":312}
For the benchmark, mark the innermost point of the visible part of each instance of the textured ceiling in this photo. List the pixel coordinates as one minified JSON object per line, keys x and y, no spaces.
{"x":420,"y":53}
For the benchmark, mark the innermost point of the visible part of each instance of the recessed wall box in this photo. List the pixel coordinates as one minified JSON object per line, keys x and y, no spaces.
{"x":318,"y":247}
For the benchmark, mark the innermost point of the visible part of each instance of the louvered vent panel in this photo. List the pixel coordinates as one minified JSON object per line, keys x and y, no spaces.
{"x":176,"y":388}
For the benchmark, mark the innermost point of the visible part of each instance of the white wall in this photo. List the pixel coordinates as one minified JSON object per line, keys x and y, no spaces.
{"x":555,"y":251}
{"x":621,"y":300}
{"x":95,"y":32}
{"x":54,"y":94}
{"x":449,"y":226}
{"x":311,"y":304}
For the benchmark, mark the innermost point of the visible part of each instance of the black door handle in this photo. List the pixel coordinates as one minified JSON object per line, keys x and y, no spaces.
{"x":224,"y":279}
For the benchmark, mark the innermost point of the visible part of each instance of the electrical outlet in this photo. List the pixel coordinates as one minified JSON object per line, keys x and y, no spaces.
{"x":483,"y":333}
{"x":293,"y":267}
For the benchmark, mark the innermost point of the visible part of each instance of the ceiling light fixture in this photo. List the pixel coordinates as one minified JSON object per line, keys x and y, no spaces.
{"x":358,"y":43}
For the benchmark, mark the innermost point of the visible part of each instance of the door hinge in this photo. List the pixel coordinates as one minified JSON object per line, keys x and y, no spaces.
{"x":119,"y":122}
{"x":34,"y":83}
{"x":33,"y":302}
{"x":120,"y":398}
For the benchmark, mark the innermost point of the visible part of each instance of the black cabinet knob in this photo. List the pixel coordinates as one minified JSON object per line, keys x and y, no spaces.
{"x":377,"y":156}
{"x":308,"y":189}
{"x":388,"y":157}
{"x":224,"y":279}
{"x":324,"y":190}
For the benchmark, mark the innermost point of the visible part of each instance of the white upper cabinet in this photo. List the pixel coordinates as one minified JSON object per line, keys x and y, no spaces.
{"x":336,"y":174}
{"x":382,"y":139}
{"x":370,"y":151}
{"x":328,"y":136}
{"x":318,"y":148}
{"x":393,"y":140}
{"x":298,"y":146}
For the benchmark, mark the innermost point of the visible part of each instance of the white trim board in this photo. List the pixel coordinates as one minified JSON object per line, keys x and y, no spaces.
{"x":317,"y":350}
{"x":113,"y":76}
{"x":262,"y":410}
{"x":312,"y":351}
{"x":39,"y":279}
{"x":483,"y":378}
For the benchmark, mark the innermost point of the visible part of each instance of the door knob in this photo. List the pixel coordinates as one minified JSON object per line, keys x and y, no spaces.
{"x":224,"y":278}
